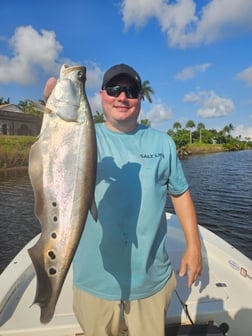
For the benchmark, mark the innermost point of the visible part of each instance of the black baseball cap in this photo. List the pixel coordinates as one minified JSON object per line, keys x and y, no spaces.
{"x":121,"y":69}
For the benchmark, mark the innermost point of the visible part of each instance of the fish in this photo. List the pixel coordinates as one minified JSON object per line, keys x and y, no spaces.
{"x":62,"y":170}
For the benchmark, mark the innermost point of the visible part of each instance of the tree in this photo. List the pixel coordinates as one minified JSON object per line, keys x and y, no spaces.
{"x":98,"y":117}
{"x":23,"y":104}
{"x":231,"y":127}
{"x":170,"y":132}
{"x":190,"y":124}
{"x":208,"y":136}
{"x":226,"y":133}
{"x":176,"y":125}
{"x":221,"y":138}
{"x":200,"y":127}
{"x":181,"y":138}
{"x":4,"y":101}
{"x":146,"y":122}
{"x":28,"y":108}
{"x":147,"y":91}
{"x":42,"y":102}
{"x":226,"y":129}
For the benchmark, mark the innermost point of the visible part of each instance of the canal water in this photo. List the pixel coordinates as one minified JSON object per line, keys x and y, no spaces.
{"x":220,"y":184}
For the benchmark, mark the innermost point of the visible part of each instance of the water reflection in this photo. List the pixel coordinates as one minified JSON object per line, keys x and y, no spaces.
{"x":17,"y":222}
{"x":221,"y":187}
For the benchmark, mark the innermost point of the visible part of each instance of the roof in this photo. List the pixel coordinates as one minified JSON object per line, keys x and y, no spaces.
{"x":11,"y":108}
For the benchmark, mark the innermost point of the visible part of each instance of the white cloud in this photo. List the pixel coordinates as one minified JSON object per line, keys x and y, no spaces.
{"x":94,"y":75}
{"x":184,"y":26}
{"x":95,"y":103}
{"x":191,"y":97}
{"x":145,"y":9}
{"x":191,"y":72}
{"x":159,"y":113}
{"x":32,"y":51}
{"x":241,"y":131}
{"x":35,"y":51}
{"x":246,"y":76}
{"x":211,"y":105}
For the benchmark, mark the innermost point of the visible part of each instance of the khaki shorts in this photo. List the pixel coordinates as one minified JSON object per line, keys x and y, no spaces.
{"x":99,"y":317}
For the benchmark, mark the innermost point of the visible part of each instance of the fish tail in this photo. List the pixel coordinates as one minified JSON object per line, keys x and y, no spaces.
{"x":43,"y":294}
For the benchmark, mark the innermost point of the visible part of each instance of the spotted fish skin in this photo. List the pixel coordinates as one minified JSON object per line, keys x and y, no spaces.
{"x":62,"y":170}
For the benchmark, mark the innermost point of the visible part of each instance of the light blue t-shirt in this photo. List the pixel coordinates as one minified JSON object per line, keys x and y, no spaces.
{"x":122,"y":256}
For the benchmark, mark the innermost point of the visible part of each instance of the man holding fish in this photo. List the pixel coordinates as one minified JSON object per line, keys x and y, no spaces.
{"x":121,"y":263}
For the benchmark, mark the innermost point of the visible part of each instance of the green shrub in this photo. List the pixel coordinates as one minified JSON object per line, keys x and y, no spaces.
{"x":14,"y":150}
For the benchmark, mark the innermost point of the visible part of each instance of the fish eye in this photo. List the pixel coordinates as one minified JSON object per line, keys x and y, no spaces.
{"x":81,"y":75}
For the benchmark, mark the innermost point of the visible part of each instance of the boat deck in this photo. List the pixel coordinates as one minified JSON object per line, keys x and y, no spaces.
{"x":223,"y":293}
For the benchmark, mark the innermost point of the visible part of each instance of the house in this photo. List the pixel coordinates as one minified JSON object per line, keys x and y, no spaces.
{"x":13,"y":121}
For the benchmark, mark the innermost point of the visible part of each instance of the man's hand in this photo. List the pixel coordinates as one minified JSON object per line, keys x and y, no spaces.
{"x":191,"y":264}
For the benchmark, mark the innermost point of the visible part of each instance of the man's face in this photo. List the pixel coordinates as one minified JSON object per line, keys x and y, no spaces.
{"x":121,"y":110}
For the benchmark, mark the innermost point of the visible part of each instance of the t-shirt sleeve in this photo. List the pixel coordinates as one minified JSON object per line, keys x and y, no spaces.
{"x":177,"y":183}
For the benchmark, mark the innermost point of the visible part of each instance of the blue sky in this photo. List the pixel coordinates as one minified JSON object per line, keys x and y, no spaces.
{"x":197,"y":55}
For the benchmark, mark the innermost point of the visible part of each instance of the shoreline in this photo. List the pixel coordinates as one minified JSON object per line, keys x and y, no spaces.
{"x":187,"y":151}
{"x":182,"y":153}
{"x":14,"y":151}
{"x":13,"y":171}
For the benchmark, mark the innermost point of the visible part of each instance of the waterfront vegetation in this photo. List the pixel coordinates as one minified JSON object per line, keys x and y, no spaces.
{"x":14,"y":150}
{"x":190,"y":139}
{"x":197,"y":139}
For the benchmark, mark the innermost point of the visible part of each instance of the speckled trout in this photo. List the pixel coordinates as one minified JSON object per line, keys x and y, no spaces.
{"x":62,"y":170}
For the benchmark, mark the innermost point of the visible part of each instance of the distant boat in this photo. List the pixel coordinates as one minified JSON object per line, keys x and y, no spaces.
{"x":222,"y":297}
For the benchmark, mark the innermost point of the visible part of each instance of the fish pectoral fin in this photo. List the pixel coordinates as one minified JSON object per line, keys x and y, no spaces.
{"x":39,"y":107}
{"x":94,"y":211}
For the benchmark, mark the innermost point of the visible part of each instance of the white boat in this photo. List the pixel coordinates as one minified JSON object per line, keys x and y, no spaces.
{"x":223,"y":295}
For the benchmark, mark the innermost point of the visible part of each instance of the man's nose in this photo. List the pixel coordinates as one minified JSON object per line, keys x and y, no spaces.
{"x":122,"y":96}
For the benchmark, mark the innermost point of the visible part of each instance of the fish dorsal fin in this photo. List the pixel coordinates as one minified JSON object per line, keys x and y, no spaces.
{"x":39,"y":107}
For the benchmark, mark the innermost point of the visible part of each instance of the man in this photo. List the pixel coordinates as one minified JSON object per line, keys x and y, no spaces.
{"x":121,"y":261}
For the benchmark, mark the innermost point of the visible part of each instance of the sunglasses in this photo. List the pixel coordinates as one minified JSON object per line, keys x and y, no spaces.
{"x":130,"y":91}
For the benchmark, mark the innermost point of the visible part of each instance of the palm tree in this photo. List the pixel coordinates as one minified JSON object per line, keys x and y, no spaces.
{"x":170,"y":132}
{"x":226,"y":131}
{"x":146,"y":122}
{"x":42,"y":102}
{"x":23,"y":104}
{"x":231,"y":127}
{"x":200,"y":127}
{"x":228,"y":128}
{"x":98,"y":117}
{"x":190,"y":124}
{"x":147,"y":91}
{"x":30,"y":108}
{"x":4,"y":101}
{"x":176,"y":125}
